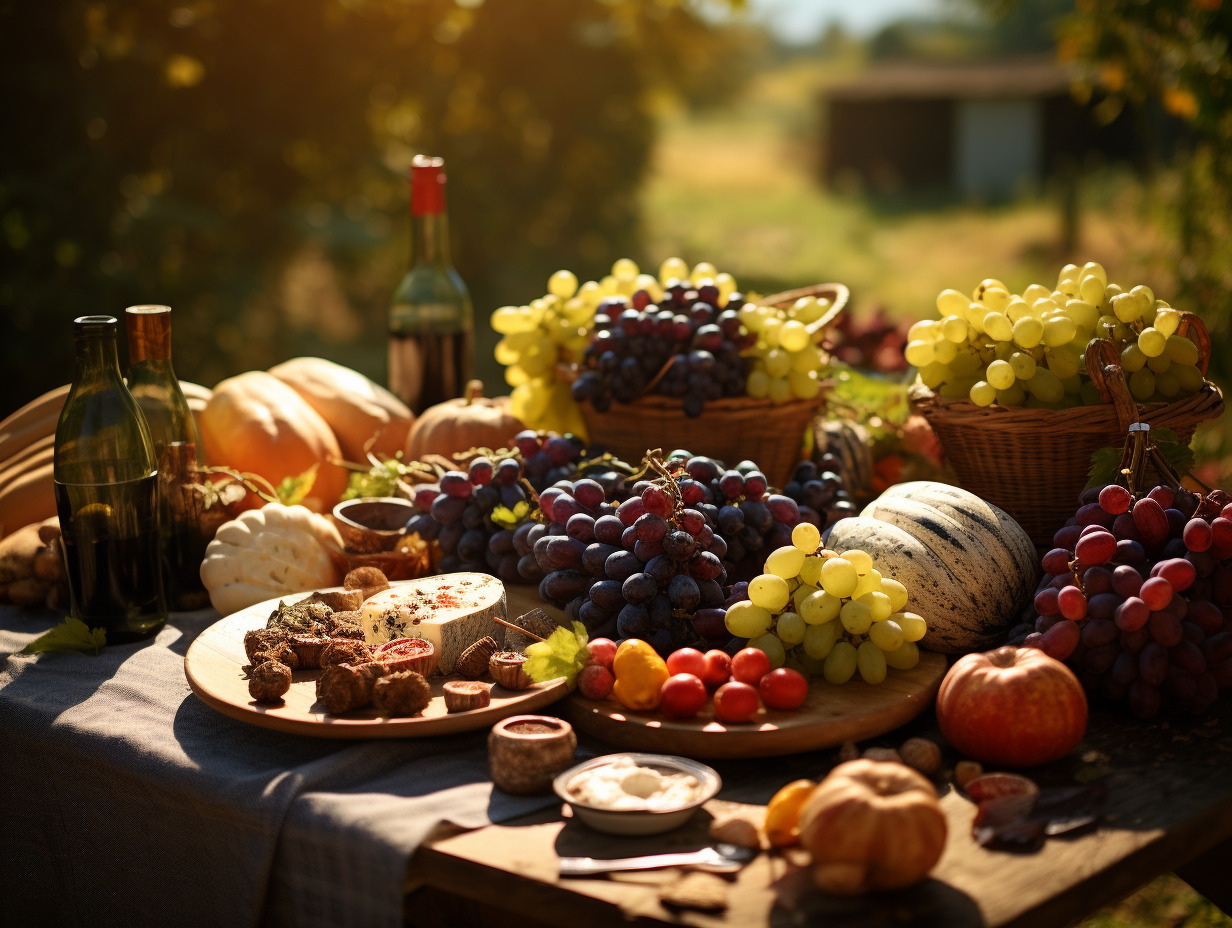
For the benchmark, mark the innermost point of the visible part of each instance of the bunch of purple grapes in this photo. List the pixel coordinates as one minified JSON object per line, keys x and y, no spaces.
{"x":548,"y":457}
{"x":1137,"y":597}
{"x":820,"y":492}
{"x":458,"y":513}
{"x":693,"y":327}
{"x":640,"y":569}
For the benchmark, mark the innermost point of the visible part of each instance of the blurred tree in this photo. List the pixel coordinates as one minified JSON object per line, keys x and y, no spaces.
{"x":1175,"y":54}
{"x":244,"y":160}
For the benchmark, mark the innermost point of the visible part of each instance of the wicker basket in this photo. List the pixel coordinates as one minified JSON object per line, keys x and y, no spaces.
{"x":1033,"y":463}
{"x":730,"y":429}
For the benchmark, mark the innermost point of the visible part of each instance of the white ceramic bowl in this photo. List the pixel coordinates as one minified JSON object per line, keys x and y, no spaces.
{"x":640,"y":821}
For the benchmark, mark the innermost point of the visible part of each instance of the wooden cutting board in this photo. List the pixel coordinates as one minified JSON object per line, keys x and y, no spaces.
{"x":831,"y":715}
{"x":214,"y":667}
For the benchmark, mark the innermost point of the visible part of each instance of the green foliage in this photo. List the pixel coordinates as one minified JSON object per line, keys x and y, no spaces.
{"x":244,"y":161}
{"x":562,"y":654}
{"x":1174,"y":55}
{"x":70,"y":635}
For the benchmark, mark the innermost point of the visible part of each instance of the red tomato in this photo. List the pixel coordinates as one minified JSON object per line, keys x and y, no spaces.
{"x":783,"y":688}
{"x":735,"y":702}
{"x":595,"y":681}
{"x":750,"y":665}
{"x":602,"y":650}
{"x":683,"y":696}
{"x":687,"y":660}
{"x":718,"y":668}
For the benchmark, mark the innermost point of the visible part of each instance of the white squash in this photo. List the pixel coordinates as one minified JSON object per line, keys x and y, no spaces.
{"x":968,"y":567}
{"x":267,"y":553}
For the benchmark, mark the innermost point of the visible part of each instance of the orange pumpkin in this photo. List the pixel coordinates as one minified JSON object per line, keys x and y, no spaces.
{"x":254,"y":422}
{"x":473,"y":421}
{"x":364,"y":416}
{"x":872,"y":825}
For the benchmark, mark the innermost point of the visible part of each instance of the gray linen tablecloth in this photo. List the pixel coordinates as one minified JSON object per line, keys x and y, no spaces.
{"x":131,"y":802}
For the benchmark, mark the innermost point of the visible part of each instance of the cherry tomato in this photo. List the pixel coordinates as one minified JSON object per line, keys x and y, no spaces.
{"x":750,"y":665}
{"x":683,"y":696}
{"x":718,"y":668}
{"x":602,"y":650}
{"x":687,"y":660}
{"x":595,"y":681}
{"x":735,"y":702}
{"x":783,"y":688}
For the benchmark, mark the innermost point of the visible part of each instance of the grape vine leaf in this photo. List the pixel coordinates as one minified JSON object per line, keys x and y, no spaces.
{"x":70,"y":635}
{"x":1106,"y":462}
{"x":562,"y":654}
{"x":511,"y":518}
{"x":292,"y":490}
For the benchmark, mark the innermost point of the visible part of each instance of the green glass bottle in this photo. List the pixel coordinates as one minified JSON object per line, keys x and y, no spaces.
{"x":106,"y":486}
{"x":431,"y":323}
{"x":153,"y":384}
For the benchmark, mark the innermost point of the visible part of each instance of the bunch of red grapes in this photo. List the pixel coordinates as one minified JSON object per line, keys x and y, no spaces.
{"x":1137,"y":597}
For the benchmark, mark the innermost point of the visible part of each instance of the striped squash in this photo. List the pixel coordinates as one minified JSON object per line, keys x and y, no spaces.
{"x":968,"y":567}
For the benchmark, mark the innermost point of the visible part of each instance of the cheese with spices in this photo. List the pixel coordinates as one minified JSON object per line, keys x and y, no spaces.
{"x":453,"y":611}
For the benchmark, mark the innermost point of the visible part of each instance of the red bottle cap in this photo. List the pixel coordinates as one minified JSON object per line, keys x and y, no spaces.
{"x":427,"y":185}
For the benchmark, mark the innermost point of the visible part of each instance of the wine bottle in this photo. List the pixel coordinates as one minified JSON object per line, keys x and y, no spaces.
{"x":106,"y":487}
{"x":173,"y":431}
{"x":431,"y":323}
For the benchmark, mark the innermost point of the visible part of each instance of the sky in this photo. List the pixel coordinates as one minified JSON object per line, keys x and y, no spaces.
{"x":802,"y":21}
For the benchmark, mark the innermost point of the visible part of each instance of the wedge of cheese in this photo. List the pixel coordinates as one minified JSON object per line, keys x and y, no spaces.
{"x":453,"y":611}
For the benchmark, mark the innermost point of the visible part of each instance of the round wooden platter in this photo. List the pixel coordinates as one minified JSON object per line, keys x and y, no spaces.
{"x":215,"y":664}
{"x":831,"y":715}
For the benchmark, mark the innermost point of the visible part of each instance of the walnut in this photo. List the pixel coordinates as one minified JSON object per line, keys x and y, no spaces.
{"x":922,"y":754}
{"x":269,"y":681}
{"x":308,"y":649}
{"x":849,"y":751}
{"x":738,"y":828}
{"x":343,"y":687}
{"x":345,"y":651}
{"x":883,"y":754}
{"x":967,"y":770}
{"x":403,"y":693}
{"x":368,"y":580}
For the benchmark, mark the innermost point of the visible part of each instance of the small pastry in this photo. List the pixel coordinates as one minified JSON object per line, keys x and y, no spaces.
{"x":464,"y":695}
{"x":407,"y":654}
{"x":507,"y":670}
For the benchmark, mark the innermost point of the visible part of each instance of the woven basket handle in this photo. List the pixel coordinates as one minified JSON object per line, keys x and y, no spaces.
{"x":1104,"y":369}
{"x":1193,"y":328}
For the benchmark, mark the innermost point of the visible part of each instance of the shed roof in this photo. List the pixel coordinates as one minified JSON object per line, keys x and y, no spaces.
{"x":977,"y":80}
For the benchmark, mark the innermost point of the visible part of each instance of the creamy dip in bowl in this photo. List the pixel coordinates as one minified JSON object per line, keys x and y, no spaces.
{"x":636,"y":793}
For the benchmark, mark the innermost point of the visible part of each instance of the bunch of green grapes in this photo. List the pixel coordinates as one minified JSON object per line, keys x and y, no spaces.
{"x":555,"y":329}
{"x":828,"y":613}
{"x":1029,"y":349}
{"x":787,"y":363}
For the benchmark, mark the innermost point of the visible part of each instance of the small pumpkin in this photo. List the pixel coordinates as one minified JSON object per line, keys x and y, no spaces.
{"x":255,"y":423}
{"x":472,"y":421}
{"x":872,"y":825}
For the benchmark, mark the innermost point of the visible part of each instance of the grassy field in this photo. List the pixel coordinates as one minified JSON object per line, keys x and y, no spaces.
{"x":740,"y":189}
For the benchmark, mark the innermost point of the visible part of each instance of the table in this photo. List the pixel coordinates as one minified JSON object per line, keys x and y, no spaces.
{"x":133,"y":803}
{"x":1169,"y":805}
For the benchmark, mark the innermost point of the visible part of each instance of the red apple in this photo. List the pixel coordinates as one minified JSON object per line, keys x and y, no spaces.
{"x":1012,"y":707}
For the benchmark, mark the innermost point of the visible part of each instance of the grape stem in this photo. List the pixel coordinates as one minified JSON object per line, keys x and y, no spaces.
{"x":517,"y":628}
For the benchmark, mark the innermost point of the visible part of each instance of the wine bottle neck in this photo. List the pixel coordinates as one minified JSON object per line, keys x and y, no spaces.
{"x":429,"y":239}
{"x":95,"y":348}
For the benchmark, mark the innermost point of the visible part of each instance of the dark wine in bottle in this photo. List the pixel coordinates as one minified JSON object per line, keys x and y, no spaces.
{"x":111,"y":546}
{"x":106,"y":494}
